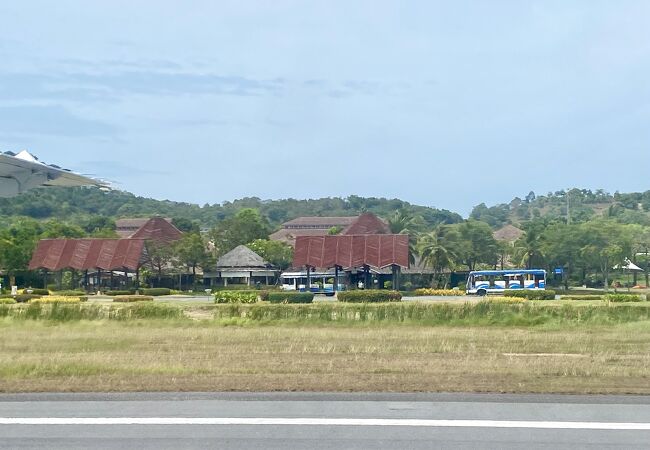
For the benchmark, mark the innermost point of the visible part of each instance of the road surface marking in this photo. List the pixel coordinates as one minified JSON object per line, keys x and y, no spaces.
{"x":564,"y":425}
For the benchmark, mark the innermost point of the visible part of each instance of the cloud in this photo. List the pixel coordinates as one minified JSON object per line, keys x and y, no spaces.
{"x":50,"y":120}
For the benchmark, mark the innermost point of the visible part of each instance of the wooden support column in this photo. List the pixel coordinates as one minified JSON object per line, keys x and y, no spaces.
{"x":308,"y":285}
{"x":336,"y":278}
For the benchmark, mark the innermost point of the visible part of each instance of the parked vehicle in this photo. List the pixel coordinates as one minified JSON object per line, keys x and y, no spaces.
{"x":319,"y":282}
{"x":483,"y":282}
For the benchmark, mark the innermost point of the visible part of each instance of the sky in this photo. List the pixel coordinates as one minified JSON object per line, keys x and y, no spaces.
{"x":440,"y":103}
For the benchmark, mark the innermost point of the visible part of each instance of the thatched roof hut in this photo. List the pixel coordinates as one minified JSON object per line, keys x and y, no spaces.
{"x":242,"y":257}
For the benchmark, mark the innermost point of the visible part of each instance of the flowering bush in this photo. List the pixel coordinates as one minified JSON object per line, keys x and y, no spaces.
{"x":58,"y":299}
{"x":132,"y":298}
{"x":438,"y":292}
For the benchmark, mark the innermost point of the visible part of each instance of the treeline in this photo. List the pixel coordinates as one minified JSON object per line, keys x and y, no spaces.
{"x":76,"y":205}
{"x":582,"y":204}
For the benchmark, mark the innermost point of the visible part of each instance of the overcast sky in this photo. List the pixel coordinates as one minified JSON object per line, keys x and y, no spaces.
{"x":446,"y":104}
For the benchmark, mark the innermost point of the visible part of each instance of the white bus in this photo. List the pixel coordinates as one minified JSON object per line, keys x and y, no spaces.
{"x":483,"y":282}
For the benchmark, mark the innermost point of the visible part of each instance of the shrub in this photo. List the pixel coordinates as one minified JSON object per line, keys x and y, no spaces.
{"x":532,"y":294}
{"x":236,"y":296}
{"x":623,"y":298}
{"x":290,"y":297}
{"x":369,"y":296}
{"x":264,"y":296}
{"x":58,"y":299}
{"x":7,"y":301}
{"x":120,"y":292}
{"x":71,"y":293}
{"x":439,"y":292}
{"x":36,"y":291}
{"x":132,"y":298}
{"x":155,"y":292}
{"x":22,"y":298}
{"x":582,"y":297}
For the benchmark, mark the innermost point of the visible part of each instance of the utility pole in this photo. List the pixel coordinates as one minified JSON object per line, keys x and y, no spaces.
{"x":568,"y":212}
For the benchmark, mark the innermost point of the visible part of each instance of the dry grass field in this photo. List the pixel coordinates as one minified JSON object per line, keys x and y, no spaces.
{"x":191,"y":355}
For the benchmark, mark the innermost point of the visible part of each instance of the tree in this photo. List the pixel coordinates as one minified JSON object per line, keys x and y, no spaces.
{"x":191,"y":252}
{"x":528,"y":248}
{"x":17,"y":243}
{"x":246,"y":226}
{"x":435,"y":251}
{"x":473,"y":243}
{"x":607,"y":244}
{"x":161,"y":257}
{"x":275,"y":252}
{"x":561,"y":244}
{"x":186,"y":225}
{"x":404,"y":222}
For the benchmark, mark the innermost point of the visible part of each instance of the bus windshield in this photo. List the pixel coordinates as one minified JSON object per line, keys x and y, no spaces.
{"x":482,"y":282}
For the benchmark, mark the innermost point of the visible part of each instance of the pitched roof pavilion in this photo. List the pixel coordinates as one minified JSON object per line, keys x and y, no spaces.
{"x":350,"y":251}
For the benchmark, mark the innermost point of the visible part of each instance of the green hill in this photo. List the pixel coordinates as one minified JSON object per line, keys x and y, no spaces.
{"x":75,"y":205}
{"x":583,"y":205}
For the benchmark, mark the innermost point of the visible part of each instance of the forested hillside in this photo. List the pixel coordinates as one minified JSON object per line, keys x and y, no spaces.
{"x":582,"y":204}
{"x":75,"y":205}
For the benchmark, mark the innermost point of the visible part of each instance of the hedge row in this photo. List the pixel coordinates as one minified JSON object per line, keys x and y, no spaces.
{"x":155,"y":292}
{"x":120,"y":292}
{"x":621,"y":298}
{"x":438,"y":292}
{"x":23,"y":298}
{"x":7,"y":300}
{"x":76,"y":293}
{"x":290,"y":297}
{"x":532,"y":294}
{"x":369,"y":296}
{"x":238,"y":296}
{"x":36,"y":291}
{"x":582,"y":297}
{"x":132,"y":298}
{"x":58,"y":299}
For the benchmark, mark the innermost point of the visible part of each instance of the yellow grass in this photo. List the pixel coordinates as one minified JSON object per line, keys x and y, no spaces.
{"x":203,"y":356}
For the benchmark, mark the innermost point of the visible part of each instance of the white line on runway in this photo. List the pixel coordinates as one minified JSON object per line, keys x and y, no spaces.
{"x":323,"y":422}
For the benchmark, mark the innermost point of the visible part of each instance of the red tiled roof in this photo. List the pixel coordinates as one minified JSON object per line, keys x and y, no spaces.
{"x":288,"y":236}
{"x":378,"y":250}
{"x":83,"y":254}
{"x":158,"y":229}
{"x":367,"y":223}
{"x":321,"y":222}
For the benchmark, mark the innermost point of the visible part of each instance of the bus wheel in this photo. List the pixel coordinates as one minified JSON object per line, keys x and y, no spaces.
{"x":481,"y":292}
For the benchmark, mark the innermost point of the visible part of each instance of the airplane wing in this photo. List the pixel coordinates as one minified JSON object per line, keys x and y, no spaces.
{"x":21,"y":172}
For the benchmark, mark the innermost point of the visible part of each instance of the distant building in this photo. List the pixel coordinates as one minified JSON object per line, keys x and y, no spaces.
{"x":241,"y":266}
{"x":106,"y":263}
{"x":366,"y":223}
{"x":126,"y":228}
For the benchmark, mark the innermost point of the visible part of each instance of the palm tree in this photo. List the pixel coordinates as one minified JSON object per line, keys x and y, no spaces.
{"x":404,"y":222}
{"x":435,"y":251}
{"x":528,"y":248}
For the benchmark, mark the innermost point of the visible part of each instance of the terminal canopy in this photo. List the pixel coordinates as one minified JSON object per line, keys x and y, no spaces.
{"x":350,"y":251}
{"x":84,"y":254}
{"x":22,"y":172}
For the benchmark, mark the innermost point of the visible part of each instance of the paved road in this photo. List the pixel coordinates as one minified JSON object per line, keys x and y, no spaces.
{"x":322,"y":421}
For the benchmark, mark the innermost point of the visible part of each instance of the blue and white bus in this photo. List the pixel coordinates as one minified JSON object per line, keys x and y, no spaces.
{"x":483,"y":282}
